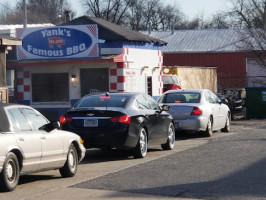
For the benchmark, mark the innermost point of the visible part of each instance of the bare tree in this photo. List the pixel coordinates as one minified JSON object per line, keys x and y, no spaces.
{"x":114,"y":11}
{"x":136,"y":14}
{"x":5,"y":8}
{"x":39,"y":11}
{"x":249,"y":18}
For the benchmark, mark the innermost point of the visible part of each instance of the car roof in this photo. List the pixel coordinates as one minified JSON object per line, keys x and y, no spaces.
{"x":187,"y":90}
{"x":130,"y":94}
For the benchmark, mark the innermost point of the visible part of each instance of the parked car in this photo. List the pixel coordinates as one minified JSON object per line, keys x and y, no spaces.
{"x":121,"y":120}
{"x":197,"y":110}
{"x":30,"y":143}
{"x":171,"y":82}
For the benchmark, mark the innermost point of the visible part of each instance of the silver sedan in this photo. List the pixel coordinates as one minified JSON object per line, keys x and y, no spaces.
{"x":30,"y":143}
{"x":197,"y":110}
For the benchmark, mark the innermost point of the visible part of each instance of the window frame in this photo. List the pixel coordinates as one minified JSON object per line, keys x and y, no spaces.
{"x":56,"y":102}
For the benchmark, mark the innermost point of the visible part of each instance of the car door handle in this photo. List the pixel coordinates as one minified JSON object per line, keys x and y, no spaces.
{"x":21,"y":139}
{"x":43,"y":138}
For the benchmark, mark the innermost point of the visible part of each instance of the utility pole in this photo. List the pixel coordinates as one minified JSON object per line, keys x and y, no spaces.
{"x":24,"y":14}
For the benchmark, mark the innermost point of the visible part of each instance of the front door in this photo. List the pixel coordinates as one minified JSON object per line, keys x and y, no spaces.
{"x":94,"y":80}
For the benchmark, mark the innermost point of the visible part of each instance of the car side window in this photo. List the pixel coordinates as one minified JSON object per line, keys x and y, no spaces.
{"x":142,"y":103}
{"x":37,"y":119}
{"x":14,"y":124}
{"x":214,"y":97}
{"x":152,"y":102}
{"x":208,"y":97}
{"x":20,"y":119}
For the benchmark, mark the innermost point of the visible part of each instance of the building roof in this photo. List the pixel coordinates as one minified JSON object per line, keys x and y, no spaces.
{"x":10,"y":30}
{"x":113,"y":32}
{"x":14,"y":26}
{"x":7,"y":40}
{"x":199,"y":41}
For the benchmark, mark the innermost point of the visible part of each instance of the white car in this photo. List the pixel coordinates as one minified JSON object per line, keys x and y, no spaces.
{"x":197,"y":110}
{"x":30,"y":143}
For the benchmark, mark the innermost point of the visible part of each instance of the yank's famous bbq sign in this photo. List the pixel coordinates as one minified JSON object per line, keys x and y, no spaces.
{"x":58,"y":42}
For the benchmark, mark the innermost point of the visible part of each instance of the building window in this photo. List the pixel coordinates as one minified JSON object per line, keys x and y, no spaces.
{"x":50,"y":87}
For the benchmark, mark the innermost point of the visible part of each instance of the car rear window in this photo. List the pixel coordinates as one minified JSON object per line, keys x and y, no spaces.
{"x":102,"y":101}
{"x":180,"y":98}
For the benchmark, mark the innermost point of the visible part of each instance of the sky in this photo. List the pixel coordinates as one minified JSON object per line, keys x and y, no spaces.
{"x":191,"y":8}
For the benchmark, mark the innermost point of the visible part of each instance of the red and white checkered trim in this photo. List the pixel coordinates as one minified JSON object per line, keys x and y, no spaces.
{"x":117,"y":76}
{"x":23,"y":85}
{"x":160,"y":55}
{"x":117,"y":79}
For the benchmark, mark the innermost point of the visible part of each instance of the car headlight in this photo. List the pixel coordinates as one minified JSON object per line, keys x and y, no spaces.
{"x":81,"y":141}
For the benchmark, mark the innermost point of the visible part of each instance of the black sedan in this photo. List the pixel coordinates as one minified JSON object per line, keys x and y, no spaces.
{"x":121,"y":120}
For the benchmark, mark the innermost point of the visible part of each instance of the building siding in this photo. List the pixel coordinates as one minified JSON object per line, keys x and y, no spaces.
{"x":231,"y":67}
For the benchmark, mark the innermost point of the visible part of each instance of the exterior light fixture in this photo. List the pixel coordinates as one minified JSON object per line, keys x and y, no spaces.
{"x":73,"y":77}
{"x":145,"y":69}
{"x":166,"y":70}
{"x":156,"y":69}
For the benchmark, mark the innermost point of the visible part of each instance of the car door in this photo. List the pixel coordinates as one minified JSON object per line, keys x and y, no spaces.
{"x":221,"y":112}
{"x":160,"y":121}
{"x":28,"y":140}
{"x":51,"y":142}
{"x":215,"y":109}
{"x":145,"y":111}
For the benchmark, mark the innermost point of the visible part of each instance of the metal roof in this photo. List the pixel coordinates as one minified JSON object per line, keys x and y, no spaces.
{"x":204,"y":40}
{"x":113,"y":32}
{"x":14,"y":26}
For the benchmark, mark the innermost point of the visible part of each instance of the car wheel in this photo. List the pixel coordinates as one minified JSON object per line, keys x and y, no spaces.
{"x":227,"y":124}
{"x":169,"y":145}
{"x":140,"y":150}
{"x":71,"y":165}
{"x":208,"y":131}
{"x":9,"y":176}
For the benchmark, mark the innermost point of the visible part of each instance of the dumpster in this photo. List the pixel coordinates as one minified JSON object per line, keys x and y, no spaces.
{"x":256,"y":102}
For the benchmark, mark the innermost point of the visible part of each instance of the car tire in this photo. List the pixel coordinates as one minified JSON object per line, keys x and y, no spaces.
{"x":71,"y":164}
{"x":227,"y":124}
{"x":141,"y":149}
{"x":208,"y":132}
{"x":9,"y":176}
{"x":169,"y":145}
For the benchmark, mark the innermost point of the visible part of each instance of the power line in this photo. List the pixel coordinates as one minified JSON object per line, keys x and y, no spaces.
{"x":7,"y":8}
{"x":13,"y":11}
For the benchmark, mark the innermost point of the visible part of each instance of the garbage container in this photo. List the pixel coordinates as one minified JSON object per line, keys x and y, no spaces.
{"x":256,"y":102}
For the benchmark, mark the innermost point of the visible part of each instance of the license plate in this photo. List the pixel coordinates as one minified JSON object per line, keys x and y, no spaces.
{"x":90,"y":122}
{"x":176,"y":125}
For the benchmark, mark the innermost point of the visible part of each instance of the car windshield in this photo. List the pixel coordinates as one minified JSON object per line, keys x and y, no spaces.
{"x":190,"y":97}
{"x":102,"y":101}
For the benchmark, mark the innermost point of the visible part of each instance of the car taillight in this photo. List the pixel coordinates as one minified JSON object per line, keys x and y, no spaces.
{"x":64,"y":119}
{"x":123,"y":119}
{"x":196,"y":111}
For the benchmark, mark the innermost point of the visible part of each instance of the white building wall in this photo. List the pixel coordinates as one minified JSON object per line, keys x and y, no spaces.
{"x":140,"y":64}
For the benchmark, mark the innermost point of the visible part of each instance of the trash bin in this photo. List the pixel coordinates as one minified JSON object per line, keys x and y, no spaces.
{"x":256,"y":102}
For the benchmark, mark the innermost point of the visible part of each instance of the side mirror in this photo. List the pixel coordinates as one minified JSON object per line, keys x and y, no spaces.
{"x":165,"y":108}
{"x":224,"y":101}
{"x":51,"y":126}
